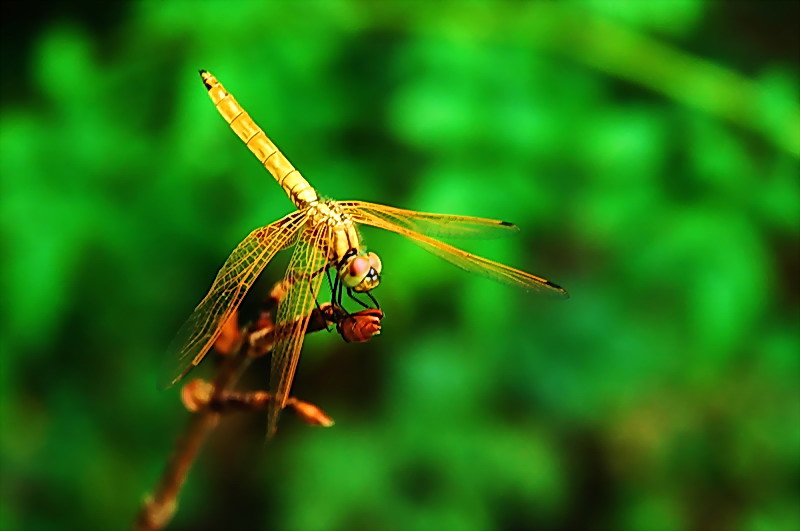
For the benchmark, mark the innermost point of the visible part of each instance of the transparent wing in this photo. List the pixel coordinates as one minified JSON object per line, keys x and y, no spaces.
{"x":304,"y":276}
{"x":435,"y":225}
{"x":240,"y":270}
{"x":454,"y":255}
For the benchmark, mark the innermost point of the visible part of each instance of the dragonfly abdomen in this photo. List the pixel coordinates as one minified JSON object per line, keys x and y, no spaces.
{"x":293,"y":183}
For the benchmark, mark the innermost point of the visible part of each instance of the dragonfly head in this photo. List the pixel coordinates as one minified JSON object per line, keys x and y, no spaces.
{"x":361,"y":272}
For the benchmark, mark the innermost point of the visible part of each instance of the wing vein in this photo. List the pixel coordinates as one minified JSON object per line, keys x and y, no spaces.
{"x":304,"y":277}
{"x":233,"y":281}
{"x":458,"y":257}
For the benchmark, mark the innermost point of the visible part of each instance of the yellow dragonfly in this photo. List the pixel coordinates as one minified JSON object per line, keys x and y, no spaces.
{"x":325,"y":236}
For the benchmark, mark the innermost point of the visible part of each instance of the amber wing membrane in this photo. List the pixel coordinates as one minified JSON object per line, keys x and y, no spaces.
{"x":394,"y":221}
{"x":436,"y":225}
{"x":303,"y":276}
{"x":237,"y":275}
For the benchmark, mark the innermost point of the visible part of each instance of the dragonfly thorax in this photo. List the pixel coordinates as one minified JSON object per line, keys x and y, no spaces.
{"x":357,"y":269}
{"x":344,"y":240}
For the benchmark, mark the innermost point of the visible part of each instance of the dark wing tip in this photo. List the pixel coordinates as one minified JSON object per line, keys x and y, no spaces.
{"x":508,"y":225}
{"x":561,"y":291}
{"x":205,"y":75}
{"x":167,"y":380}
{"x":162,"y":384}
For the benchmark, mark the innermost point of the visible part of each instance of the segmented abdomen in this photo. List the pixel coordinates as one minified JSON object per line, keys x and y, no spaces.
{"x":293,"y":183}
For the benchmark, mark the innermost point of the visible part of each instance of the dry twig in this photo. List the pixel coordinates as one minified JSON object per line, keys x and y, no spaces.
{"x":209,"y":400}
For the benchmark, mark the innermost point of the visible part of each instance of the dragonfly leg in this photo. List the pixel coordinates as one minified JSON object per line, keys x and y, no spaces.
{"x":368,"y":294}
{"x":351,"y":252}
{"x":362,"y":303}
{"x":311,"y":290}
{"x":336,"y":291}
{"x":335,"y":297}
{"x":339,"y":288}
{"x":332,"y":286}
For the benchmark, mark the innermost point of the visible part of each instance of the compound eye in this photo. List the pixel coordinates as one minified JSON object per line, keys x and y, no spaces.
{"x":373,"y":276}
{"x":359,"y":267}
{"x":354,"y":272}
{"x":375,"y":262}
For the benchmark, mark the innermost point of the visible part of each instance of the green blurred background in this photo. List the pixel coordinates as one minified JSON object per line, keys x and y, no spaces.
{"x":648,"y":150}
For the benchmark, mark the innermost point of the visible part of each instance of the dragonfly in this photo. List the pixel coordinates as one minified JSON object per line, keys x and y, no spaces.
{"x":325,"y":235}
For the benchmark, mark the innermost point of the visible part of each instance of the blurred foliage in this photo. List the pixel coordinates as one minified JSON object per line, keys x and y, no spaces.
{"x":648,"y":150}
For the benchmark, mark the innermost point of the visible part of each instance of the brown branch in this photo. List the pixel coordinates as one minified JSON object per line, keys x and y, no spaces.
{"x":158,"y":508}
{"x":198,"y":394}
{"x":209,"y":400}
